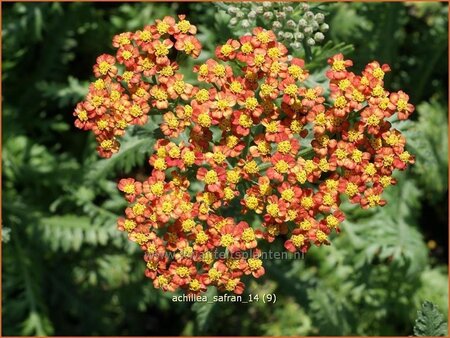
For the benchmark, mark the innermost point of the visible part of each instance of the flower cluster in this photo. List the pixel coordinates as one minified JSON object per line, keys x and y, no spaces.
{"x":235,"y":148}
{"x":141,"y":76}
{"x":293,"y":23}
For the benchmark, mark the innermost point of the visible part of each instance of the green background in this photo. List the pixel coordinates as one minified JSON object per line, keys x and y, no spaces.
{"x":68,"y":271}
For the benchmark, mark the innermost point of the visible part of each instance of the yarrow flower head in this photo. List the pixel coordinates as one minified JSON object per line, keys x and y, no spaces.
{"x":234,"y":148}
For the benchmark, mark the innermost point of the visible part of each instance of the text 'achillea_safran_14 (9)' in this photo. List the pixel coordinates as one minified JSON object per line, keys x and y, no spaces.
{"x":240,"y":137}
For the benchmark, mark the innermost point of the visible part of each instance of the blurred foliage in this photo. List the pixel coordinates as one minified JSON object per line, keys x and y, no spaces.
{"x":68,"y":271}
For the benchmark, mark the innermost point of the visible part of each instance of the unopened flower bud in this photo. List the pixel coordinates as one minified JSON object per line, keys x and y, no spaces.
{"x":319,"y":17}
{"x":268,"y":15}
{"x":276,"y":25}
{"x":245,"y":23}
{"x":308,"y":30}
{"x":295,"y":45}
{"x":308,"y":15}
{"x":324,"y":27}
{"x":310,"y":42}
{"x":302,"y":23}
{"x":290,"y":24}
{"x":299,"y":36}
{"x":319,"y":37}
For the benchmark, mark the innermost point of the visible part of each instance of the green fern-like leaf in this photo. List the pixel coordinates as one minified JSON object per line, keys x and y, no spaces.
{"x":430,"y":321}
{"x":132,"y":152}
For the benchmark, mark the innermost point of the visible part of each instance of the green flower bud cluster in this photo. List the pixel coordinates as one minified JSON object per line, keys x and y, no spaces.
{"x":293,"y":23}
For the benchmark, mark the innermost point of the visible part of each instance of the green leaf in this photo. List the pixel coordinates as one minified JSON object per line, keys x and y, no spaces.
{"x":430,"y":321}
{"x":203,"y":311}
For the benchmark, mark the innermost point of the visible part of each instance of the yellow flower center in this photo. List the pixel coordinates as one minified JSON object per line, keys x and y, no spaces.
{"x":245,"y":121}
{"x":251,"y":103}
{"x":254,"y":263}
{"x":145,"y":36}
{"x":288,"y":194}
{"x":291,"y":90}
{"x":127,"y":55}
{"x":226,"y":50}
{"x":298,"y":240}
{"x":295,"y":71}
{"x":184,"y":26}
{"x":344,"y":84}
{"x":305,"y":225}
{"x":307,"y":202}
{"x":138,"y":209}
{"x":247,"y":48}
{"x":189,"y":158}
{"x":102,"y":124}
{"x":104,"y":67}
{"x":232,"y":141}
{"x":157,"y":188}
{"x":129,"y":188}
{"x":160,"y":164}
{"x":204,"y":120}
{"x":272,"y":209}
{"x":161,"y":49}
{"x":213,"y":274}
{"x":370,"y":169}
{"x":226,"y":240}
{"x":160,"y":95}
{"x":167,"y":71}
{"x":378,"y":91}
{"x":340,"y":102}
{"x":373,"y":120}
{"x":167,"y":207}
{"x":219,"y":70}
{"x":282,"y":167}
{"x":266,"y":89}
{"x":402,"y":104}
{"x":251,"y":202}
{"x":338,"y":65}
{"x":321,"y":236}
{"x":373,"y":200}
{"x":187,"y":225}
{"x":97,"y":101}
{"x":162,"y":27}
{"x":194,"y":285}
{"x":385,"y":180}
{"x":248,"y":235}
{"x":182,"y":271}
{"x":263,"y":37}
{"x":284,"y":147}
{"x":136,"y":110}
{"x":351,"y":189}
{"x":264,"y":147}
{"x":272,"y":127}
{"x":188,"y":47}
{"x":107,"y":144}
{"x":129,"y":225}
{"x":251,"y":167}
{"x":233,"y":176}
{"x":378,"y":73}
{"x":174,"y":152}
{"x":236,"y":87}
{"x":211,"y":177}
{"x":202,"y":96}
{"x":357,"y":155}
{"x":201,"y":237}
{"x":179,"y":87}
